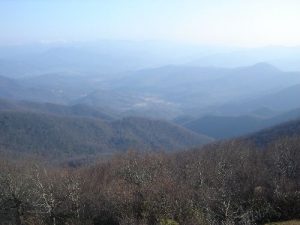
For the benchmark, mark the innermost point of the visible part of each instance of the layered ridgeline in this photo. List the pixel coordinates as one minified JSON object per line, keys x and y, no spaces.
{"x":165,"y":92}
{"x":53,"y":134}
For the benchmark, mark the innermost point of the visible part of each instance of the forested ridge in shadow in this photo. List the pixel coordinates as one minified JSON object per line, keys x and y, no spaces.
{"x":232,"y":182}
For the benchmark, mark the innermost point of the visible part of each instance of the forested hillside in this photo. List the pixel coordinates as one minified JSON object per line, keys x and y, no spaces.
{"x":222,"y":127}
{"x":266,"y":136}
{"x":51,"y":135}
{"x":78,"y":110}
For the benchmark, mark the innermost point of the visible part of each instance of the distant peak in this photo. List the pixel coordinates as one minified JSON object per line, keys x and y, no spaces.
{"x":264,"y":66}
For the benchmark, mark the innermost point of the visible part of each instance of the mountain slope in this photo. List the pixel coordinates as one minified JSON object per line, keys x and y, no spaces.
{"x":8,"y":87}
{"x":155,"y":134}
{"x":14,"y":89}
{"x":282,"y":100}
{"x":221,"y":127}
{"x":78,"y":110}
{"x":48,"y":134}
{"x":224,"y":127}
{"x":266,"y":136}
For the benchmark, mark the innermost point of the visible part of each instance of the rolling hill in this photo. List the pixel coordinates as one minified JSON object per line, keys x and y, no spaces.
{"x":155,"y":134}
{"x":281,"y":100}
{"x":51,"y":135}
{"x":276,"y":133}
{"x":8,"y":87}
{"x":222,"y":127}
{"x":78,"y":110}
{"x":15,"y":89}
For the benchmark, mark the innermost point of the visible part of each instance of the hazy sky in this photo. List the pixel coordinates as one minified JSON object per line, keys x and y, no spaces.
{"x":228,"y":22}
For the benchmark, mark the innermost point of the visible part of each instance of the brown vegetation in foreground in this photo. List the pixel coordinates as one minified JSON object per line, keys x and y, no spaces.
{"x":224,"y":183}
{"x":291,"y":222}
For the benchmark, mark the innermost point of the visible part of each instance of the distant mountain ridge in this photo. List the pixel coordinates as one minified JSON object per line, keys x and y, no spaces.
{"x":285,"y":58}
{"x":165,"y":92}
{"x":281,"y":100}
{"x":201,"y":90}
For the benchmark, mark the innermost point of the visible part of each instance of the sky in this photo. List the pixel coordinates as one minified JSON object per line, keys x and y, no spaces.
{"x":211,"y":22}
